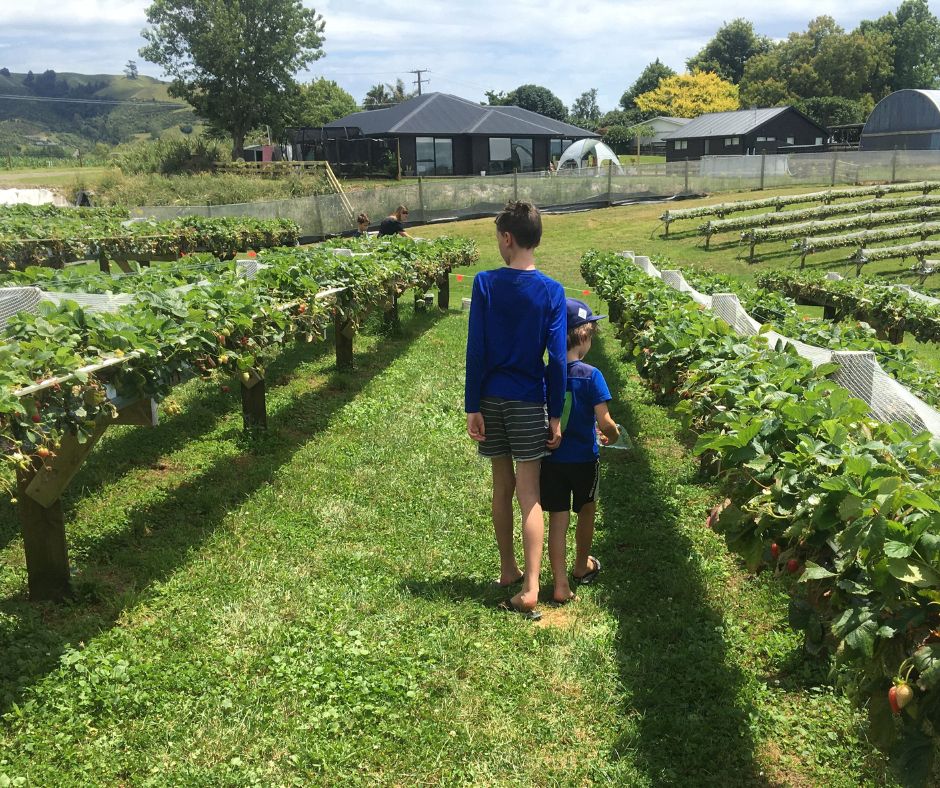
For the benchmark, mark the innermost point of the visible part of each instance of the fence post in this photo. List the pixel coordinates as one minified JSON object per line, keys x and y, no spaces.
{"x":832,"y":175}
{"x":424,"y":219}
{"x":254,"y":408}
{"x":763,"y":160}
{"x":894,"y":165}
{"x":344,"y":342}
{"x":610,"y":180}
{"x":686,"y":189}
{"x":443,"y":291}
{"x":515,"y":183}
{"x":43,"y":529}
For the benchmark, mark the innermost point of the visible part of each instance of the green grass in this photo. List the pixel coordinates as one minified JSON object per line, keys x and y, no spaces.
{"x":312,"y":605}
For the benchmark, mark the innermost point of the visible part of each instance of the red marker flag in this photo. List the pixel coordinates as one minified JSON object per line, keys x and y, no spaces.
{"x":585,"y":292}
{"x":459,"y":277}
{"x":252,"y":253}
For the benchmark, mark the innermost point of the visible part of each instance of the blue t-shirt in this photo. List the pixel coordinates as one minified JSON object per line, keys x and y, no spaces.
{"x":586,"y":388}
{"x":514,"y":317}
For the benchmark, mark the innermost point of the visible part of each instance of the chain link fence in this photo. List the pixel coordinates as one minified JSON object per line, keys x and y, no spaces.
{"x":443,"y":199}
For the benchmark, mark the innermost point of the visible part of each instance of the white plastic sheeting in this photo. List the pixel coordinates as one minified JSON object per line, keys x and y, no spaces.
{"x":575,"y":156}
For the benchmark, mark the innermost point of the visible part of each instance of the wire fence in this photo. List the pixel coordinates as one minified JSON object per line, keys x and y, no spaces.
{"x":448,"y":199}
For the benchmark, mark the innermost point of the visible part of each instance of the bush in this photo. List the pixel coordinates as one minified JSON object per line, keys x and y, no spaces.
{"x":170,"y":157}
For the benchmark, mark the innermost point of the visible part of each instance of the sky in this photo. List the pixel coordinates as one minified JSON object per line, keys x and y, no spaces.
{"x":469,"y":47}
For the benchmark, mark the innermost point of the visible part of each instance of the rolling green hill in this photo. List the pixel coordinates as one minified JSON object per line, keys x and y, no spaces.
{"x":52,"y":126}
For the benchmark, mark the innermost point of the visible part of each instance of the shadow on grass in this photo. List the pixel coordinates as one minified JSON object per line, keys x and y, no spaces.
{"x":160,"y":535}
{"x":682,"y":689}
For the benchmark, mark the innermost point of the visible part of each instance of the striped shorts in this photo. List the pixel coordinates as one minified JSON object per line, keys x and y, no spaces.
{"x":516,"y":428}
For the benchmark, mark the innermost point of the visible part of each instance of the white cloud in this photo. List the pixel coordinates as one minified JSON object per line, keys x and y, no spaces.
{"x":469,"y":47}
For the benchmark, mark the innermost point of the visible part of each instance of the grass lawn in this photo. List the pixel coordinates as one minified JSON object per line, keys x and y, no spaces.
{"x":312,"y":605}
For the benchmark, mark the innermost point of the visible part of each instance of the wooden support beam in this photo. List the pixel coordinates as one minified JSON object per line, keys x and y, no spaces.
{"x":46,"y":486}
{"x":254,"y":405}
{"x":443,"y":291}
{"x":390,"y":318}
{"x":344,"y":334}
{"x":43,"y":529}
{"x":142,"y":413}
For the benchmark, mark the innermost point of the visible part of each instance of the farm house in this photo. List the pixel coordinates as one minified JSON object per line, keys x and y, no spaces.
{"x":746,"y":131}
{"x":905,"y":120}
{"x":440,"y":134}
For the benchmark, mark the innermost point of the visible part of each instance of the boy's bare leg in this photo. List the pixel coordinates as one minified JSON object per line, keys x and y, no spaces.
{"x":533,"y":532}
{"x":504,"y":485}
{"x":584,"y":538}
{"x":558,"y":554}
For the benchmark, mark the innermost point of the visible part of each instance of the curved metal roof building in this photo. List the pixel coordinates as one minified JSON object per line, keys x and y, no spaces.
{"x":906,"y":120}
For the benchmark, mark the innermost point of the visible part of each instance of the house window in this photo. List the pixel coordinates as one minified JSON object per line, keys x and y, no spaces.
{"x":766,"y":139}
{"x":522,"y":154}
{"x":434,"y":156}
{"x":819,"y":140}
{"x":500,"y":155}
{"x":790,"y":140}
{"x":729,"y":141}
{"x":682,"y":144}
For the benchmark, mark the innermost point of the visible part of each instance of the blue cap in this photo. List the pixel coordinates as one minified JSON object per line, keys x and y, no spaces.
{"x":580,"y":313}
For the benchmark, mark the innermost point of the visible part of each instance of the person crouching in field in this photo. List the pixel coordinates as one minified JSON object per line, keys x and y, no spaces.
{"x":513,"y":406}
{"x":570,"y":475}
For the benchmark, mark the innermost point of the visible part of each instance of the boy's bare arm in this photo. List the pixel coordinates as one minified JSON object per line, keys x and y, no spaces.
{"x":606,"y":423}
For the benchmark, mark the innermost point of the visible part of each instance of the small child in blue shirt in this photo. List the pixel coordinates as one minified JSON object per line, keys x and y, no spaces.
{"x":569,"y":477}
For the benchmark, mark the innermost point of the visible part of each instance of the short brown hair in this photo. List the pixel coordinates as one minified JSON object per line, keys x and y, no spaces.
{"x":522,"y":221}
{"x":581,"y":334}
{"x":362,"y":219}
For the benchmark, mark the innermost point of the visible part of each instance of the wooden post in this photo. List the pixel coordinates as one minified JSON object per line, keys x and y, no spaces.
{"x":515,"y":183}
{"x":832,"y":175}
{"x":686,"y":189}
{"x":424,"y":219}
{"x":443,"y":291}
{"x":610,"y":178}
{"x":894,"y":164}
{"x":763,"y":162}
{"x":43,"y":529}
{"x":254,"y":408}
{"x":398,"y":156}
{"x":390,"y":317}
{"x":344,"y":343}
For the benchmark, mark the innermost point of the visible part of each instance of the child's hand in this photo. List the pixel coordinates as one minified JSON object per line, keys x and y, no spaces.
{"x":476,"y":428}
{"x":602,"y":438}
{"x":554,"y":434}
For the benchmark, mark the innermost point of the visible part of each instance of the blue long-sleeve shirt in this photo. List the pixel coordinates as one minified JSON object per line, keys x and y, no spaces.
{"x":514,"y":317}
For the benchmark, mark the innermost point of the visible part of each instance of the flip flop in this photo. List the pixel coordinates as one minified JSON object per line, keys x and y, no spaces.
{"x":589,"y":577}
{"x":529,"y":615}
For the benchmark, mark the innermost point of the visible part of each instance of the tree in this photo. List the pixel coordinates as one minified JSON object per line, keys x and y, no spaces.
{"x":733,"y":45}
{"x":834,"y":110}
{"x":234,"y":62}
{"x":385,"y":95}
{"x":323,"y":101}
{"x":130,"y":70}
{"x":914,"y":33}
{"x":5,"y":72}
{"x":648,"y":80}
{"x":534,"y":98}
{"x":584,"y":111}
{"x":690,"y":95}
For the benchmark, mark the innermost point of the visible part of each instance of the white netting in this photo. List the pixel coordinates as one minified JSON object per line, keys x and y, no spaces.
{"x":18,"y":299}
{"x":93,"y":302}
{"x":859,"y":370}
{"x":249,"y":268}
{"x":910,"y":292}
{"x":832,"y":276}
{"x":644,"y":264}
{"x":676,"y":280}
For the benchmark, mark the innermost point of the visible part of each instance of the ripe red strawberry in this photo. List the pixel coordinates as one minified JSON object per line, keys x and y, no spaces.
{"x":775,"y":551}
{"x":36,"y":418}
{"x":302,"y":308}
{"x":793,"y":566}
{"x":226,"y":389}
{"x":43,"y":452}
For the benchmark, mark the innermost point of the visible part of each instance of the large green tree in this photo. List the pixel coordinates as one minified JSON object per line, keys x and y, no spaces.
{"x":648,"y":80}
{"x":914,"y":33}
{"x":385,"y":95}
{"x":534,"y":98}
{"x":733,"y":45}
{"x":323,"y":101}
{"x":234,"y":61}
{"x":584,"y":111}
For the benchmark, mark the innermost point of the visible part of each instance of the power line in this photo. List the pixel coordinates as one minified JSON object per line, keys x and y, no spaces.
{"x":115,"y":102}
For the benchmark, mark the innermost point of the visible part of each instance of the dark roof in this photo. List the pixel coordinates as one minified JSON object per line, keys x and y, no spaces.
{"x":728,"y":124}
{"x":442,"y":113}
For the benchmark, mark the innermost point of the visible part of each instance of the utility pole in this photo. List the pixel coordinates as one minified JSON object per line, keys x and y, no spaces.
{"x":418,"y":72}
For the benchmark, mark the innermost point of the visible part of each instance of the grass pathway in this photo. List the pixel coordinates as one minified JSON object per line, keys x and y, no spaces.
{"x":312,"y":607}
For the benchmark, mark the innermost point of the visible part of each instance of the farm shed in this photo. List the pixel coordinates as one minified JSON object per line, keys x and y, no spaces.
{"x":746,"y":131}
{"x":440,"y":134}
{"x":906,"y":120}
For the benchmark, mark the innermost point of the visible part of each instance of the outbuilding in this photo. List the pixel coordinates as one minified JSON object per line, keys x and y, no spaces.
{"x":439,"y":134}
{"x":905,"y":120}
{"x":742,"y":132}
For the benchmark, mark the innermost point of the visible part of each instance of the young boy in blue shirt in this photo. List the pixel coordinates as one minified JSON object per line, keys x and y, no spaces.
{"x":569,"y":477}
{"x":513,"y":405}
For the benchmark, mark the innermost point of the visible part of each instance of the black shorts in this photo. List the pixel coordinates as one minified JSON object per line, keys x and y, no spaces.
{"x":567,"y":486}
{"x":513,"y":427}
